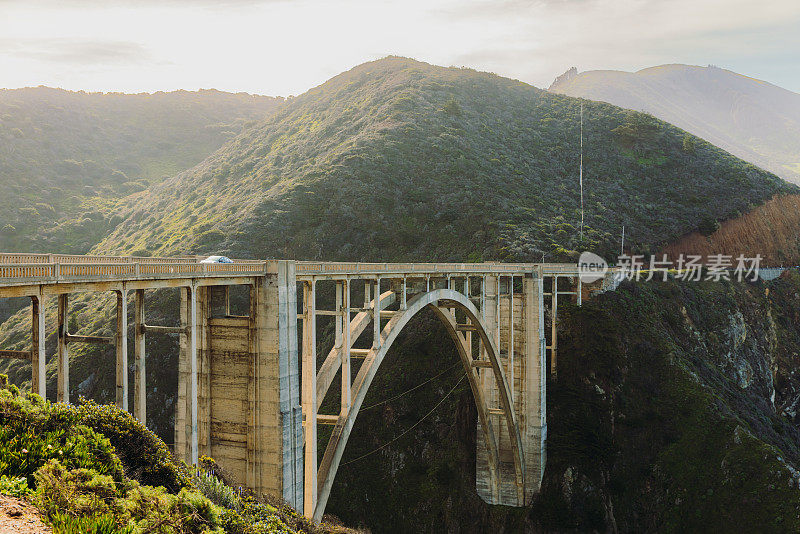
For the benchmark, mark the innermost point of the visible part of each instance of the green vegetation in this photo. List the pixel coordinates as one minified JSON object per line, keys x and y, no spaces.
{"x":400,"y":160}
{"x":67,"y":157}
{"x":94,"y":469}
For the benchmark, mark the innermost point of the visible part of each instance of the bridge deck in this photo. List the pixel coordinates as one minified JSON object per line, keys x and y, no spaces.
{"x":30,"y":270}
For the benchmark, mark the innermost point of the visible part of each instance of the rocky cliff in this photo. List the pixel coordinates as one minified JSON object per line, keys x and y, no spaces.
{"x":675,"y":410}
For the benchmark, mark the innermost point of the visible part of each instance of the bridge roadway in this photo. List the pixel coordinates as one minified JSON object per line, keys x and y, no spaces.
{"x":250,"y":388}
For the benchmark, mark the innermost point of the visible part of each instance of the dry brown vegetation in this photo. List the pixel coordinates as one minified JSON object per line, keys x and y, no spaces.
{"x":772,"y":230}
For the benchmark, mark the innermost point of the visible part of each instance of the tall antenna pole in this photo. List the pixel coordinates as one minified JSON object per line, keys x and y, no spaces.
{"x":581,"y":171}
{"x":622,"y":247}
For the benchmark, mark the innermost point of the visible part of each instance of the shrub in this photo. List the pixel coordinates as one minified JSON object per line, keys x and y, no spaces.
{"x":15,"y":487}
{"x":74,"y":456}
{"x":34,"y":432}
{"x":217,"y":491}
{"x":96,"y":524}
{"x":144,"y":455}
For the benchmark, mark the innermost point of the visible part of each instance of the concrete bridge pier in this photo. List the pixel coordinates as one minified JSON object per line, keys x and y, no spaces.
{"x":513,"y":310}
{"x":238,"y":385}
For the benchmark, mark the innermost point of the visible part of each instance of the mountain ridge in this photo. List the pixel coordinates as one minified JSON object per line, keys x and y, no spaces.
{"x":66,"y":157}
{"x":753,"y":119}
{"x":438,"y":151}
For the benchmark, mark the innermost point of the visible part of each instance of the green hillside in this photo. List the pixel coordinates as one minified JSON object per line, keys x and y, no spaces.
{"x":752,"y":119}
{"x":398,"y":160}
{"x":66,"y":157}
{"x":96,"y":470}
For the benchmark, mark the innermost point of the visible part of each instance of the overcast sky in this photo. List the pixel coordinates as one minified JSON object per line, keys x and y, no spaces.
{"x":279,"y":47}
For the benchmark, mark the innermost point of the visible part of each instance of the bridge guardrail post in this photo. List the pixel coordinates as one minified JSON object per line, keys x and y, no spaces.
{"x":57,"y":271}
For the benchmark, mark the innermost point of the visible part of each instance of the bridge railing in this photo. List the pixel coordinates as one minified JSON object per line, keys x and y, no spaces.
{"x":310,"y":268}
{"x":313,"y":268}
{"x":90,"y":272}
{"x":50,"y":268}
{"x":62,"y":259}
{"x":559,"y":268}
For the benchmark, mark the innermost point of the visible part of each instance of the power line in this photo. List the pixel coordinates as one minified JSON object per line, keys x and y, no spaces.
{"x":409,"y":390}
{"x":409,"y":429}
{"x":581,"y":171}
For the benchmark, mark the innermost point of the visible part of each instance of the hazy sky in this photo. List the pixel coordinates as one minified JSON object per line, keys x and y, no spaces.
{"x":280,"y":47}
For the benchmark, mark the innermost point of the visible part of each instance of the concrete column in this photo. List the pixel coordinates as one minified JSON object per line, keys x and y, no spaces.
{"x":468,"y":334}
{"x":347,"y":376}
{"x":278,"y":357}
{"x":193,"y":327}
{"x":524,"y":317}
{"x":62,"y":351}
{"x":38,"y":353}
{"x":187,"y":410}
{"x":498,"y":281}
{"x":376,"y":317}
{"x":511,"y":336}
{"x":534,"y":422}
{"x":289,"y":382}
{"x":122,"y":349}
{"x":490,"y":300}
{"x":339,"y":314}
{"x":483,"y":297}
{"x":497,"y":322}
{"x":140,"y":372}
{"x":309,"y":396}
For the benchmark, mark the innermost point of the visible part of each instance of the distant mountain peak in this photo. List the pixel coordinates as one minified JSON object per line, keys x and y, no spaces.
{"x":571,"y":73}
{"x":751,"y":118}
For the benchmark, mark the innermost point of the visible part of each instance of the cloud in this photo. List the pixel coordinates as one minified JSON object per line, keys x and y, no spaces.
{"x":283,"y":47}
{"x":77,"y":51}
{"x":100,"y":4}
{"x":535,"y":40}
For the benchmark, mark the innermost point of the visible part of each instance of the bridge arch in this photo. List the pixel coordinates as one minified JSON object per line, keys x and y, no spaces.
{"x":443,"y":302}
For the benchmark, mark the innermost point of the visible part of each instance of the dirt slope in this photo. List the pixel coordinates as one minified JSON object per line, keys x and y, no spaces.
{"x":772,"y":230}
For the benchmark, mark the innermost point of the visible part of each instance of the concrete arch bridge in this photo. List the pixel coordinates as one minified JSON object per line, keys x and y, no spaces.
{"x":250,"y":389}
